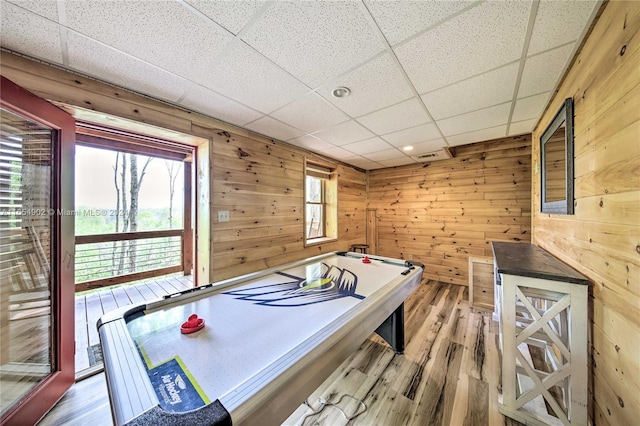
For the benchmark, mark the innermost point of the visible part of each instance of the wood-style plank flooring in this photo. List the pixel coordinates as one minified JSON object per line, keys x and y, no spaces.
{"x":90,"y":307}
{"x":448,"y":375}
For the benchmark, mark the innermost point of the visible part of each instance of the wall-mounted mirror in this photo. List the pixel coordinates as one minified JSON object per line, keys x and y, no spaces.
{"x":556,"y":158}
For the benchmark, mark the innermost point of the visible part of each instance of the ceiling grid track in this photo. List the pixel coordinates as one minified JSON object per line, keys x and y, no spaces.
{"x":389,"y":49}
{"x":523,"y":59}
{"x":62,"y":20}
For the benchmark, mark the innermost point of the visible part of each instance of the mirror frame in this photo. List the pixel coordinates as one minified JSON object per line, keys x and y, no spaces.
{"x":564,"y":115}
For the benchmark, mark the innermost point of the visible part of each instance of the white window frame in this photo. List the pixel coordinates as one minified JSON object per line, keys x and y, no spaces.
{"x":329,"y":201}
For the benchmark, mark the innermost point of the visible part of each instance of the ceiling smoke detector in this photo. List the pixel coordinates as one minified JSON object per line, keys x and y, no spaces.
{"x":341,"y":92}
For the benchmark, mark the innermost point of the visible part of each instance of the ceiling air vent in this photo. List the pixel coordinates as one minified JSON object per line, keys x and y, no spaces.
{"x":442,"y":154}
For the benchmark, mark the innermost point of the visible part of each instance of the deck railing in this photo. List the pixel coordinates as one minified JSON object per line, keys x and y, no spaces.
{"x":107,"y":259}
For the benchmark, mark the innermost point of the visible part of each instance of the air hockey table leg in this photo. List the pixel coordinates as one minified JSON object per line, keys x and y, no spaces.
{"x":392,"y":330}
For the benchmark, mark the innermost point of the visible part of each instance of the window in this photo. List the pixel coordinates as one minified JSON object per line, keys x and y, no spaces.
{"x":320,"y":203}
{"x":133,"y":204}
{"x":315,"y":207}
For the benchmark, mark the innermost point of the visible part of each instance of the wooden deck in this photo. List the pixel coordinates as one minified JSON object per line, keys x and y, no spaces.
{"x":90,"y":307}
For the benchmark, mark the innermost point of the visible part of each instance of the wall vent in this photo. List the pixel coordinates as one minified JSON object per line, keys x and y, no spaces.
{"x":442,"y":154}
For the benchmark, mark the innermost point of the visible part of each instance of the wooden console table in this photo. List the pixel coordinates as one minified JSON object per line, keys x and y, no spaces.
{"x":541,"y":304}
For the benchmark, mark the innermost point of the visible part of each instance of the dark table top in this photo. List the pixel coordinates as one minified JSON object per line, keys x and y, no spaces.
{"x":528,"y":260}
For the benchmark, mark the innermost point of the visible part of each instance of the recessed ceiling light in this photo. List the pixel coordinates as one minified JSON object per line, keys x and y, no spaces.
{"x":341,"y":92}
{"x":408,"y":148}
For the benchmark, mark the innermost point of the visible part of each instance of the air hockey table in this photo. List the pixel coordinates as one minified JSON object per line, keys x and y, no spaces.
{"x":267,"y":340}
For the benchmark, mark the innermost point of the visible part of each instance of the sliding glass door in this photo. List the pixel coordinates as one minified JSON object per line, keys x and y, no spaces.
{"x":36,"y":255}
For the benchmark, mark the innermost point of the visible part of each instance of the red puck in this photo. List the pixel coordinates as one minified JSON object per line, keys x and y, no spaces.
{"x":192,"y":324}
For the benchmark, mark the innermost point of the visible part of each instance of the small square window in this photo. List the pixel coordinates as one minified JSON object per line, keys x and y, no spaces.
{"x":320,"y":195}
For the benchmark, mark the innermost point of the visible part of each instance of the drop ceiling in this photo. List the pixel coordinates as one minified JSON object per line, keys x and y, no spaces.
{"x":429,"y":74}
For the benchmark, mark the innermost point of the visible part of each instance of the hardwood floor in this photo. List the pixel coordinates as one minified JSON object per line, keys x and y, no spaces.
{"x":86,"y":403}
{"x":448,"y":375}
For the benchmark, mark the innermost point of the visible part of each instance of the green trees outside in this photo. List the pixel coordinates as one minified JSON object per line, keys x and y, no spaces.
{"x":93,"y":220}
{"x":129,"y":214}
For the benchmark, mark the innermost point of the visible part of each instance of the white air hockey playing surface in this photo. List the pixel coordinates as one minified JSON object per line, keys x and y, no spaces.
{"x":255,"y":329}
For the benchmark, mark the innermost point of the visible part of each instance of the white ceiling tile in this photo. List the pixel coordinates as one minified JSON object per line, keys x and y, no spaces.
{"x":232,"y":15}
{"x":315,"y":41}
{"x":344,"y":133}
{"x":424,"y":147}
{"x":375,"y":166}
{"x":422,"y":133}
{"x":105,"y":63}
{"x":477,"y":136}
{"x":541,"y":72}
{"x":338,"y":153}
{"x":478,"y":92}
{"x":401,"y":19}
{"x":559,"y":22}
{"x":46,"y":9}
{"x":367,"y":146}
{"x":312,"y":143}
{"x":387,"y":154}
{"x":310,"y":113}
{"x":164,"y":33}
{"x":466,"y":45}
{"x":521,"y":127}
{"x":215,"y":105}
{"x":530,"y":107}
{"x":363,"y":163}
{"x":251,"y":79}
{"x":16,"y":33}
{"x":374,"y":85}
{"x":477,"y":120}
{"x":400,"y":116}
{"x":352,"y":157}
{"x":395,"y":162}
{"x":274,"y":129}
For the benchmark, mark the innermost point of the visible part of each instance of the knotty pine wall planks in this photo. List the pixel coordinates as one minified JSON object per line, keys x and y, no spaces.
{"x":257,"y":179}
{"x":443,"y":212}
{"x":261,"y":185}
{"x":602,"y":238}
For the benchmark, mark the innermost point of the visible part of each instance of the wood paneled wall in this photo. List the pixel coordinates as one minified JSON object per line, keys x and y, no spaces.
{"x":443,"y":212}
{"x":261,"y":184}
{"x":602,"y":238}
{"x":259,"y":180}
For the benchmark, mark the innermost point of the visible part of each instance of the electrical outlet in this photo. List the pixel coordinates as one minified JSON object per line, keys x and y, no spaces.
{"x":223,"y":216}
{"x":410,"y":257}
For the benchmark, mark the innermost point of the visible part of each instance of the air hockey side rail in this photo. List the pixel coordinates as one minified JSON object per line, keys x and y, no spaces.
{"x":134,"y":401}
